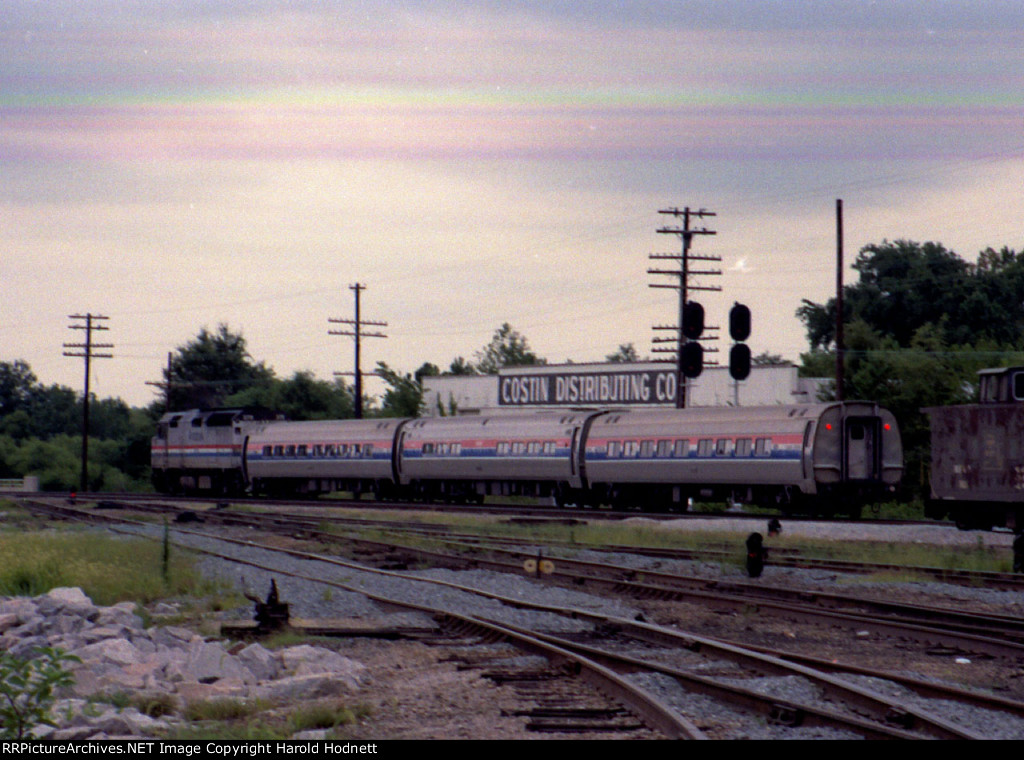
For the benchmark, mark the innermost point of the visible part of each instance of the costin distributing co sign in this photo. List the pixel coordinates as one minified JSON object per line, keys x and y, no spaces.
{"x":574,"y":388}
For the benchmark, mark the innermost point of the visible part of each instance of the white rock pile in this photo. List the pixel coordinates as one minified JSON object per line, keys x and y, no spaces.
{"x":119,"y":656}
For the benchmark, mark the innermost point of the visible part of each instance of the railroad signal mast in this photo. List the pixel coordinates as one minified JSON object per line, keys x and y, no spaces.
{"x":689,"y":353}
{"x":88,"y":352}
{"x":356,"y":332}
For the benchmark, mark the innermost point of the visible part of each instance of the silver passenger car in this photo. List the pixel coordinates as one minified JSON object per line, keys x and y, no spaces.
{"x":471,"y":457}
{"x":774,"y":455}
{"x":322,"y":456}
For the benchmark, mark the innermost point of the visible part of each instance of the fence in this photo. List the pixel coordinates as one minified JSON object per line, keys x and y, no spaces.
{"x":28,"y":483}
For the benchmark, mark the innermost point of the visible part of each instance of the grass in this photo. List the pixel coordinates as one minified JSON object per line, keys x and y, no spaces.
{"x":228,"y":718}
{"x":108,"y":570}
{"x":153,"y":705}
{"x":223,"y":709}
{"x":14,"y":517}
{"x":641,"y":533}
{"x":240,"y":719}
{"x":977,"y":556}
{"x":325,"y":715}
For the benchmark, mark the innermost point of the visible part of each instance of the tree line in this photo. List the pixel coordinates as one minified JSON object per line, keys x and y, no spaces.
{"x":40,"y":434}
{"x":919,"y":323}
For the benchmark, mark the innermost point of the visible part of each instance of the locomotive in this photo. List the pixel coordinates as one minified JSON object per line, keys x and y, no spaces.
{"x":826,"y":458}
{"x":977,"y":466}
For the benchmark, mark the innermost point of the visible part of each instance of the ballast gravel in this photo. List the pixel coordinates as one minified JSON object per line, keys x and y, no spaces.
{"x":316,"y":599}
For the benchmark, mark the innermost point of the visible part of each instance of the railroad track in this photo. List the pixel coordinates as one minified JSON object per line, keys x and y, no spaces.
{"x":512,"y":510}
{"x":941,"y":628}
{"x":713,"y":552}
{"x":886,"y":716}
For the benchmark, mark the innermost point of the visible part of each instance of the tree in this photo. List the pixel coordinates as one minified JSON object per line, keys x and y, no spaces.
{"x":404,"y":396}
{"x":16,"y":383}
{"x":460,"y":366}
{"x":300,"y":397}
{"x":625,"y":353}
{"x":29,"y":409}
{"x":765,"y":359}
{"x":210,"y":368}
{"x":507,"y":348}
{"x":426,"y":370}
{"x":904,"y":286}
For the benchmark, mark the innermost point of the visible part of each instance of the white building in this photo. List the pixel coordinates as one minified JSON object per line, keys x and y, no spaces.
{"x":587,"y":386}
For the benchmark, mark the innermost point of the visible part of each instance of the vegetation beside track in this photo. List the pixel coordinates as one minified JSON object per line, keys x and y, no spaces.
{"x":640,"y":533}
{"x":35,"y":558}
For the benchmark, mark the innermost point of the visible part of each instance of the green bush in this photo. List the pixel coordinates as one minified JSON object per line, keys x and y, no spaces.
{"x":27,"y":690}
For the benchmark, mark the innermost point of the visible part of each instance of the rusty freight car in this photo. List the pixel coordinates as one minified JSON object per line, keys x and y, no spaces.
{"x":977,"y":472}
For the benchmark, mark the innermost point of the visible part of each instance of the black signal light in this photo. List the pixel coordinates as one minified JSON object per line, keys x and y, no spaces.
{"x":739,"y":322}
{"x":739,"y":361}
{"x":692,"y":360}
{"x":693,"y":320}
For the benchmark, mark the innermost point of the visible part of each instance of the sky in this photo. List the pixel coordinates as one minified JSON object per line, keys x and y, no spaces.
{"x":179,"y":165}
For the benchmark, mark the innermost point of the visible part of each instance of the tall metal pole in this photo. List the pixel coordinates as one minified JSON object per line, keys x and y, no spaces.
{"x":840,"y":341}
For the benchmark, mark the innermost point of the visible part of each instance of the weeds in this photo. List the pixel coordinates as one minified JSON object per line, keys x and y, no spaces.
{"x":27,"y":690}
{"x":223,"y":709}
{"x":325,"y":715}
{"x":109,"y":570}
{"x":154,"y":705}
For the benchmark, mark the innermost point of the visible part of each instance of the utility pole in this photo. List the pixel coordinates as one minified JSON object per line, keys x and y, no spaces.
{"x":165,"y":385}
{"x":357,"y":333}
{"x":689,"y":361}
{"x":840,"y":338}
{"x":87,"y":351}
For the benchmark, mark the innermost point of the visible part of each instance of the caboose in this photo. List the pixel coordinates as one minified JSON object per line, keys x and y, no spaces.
{"x":977,"y":473}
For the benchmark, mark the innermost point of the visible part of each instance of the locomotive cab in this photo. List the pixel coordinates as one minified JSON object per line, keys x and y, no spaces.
{"x":200,"y":450}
